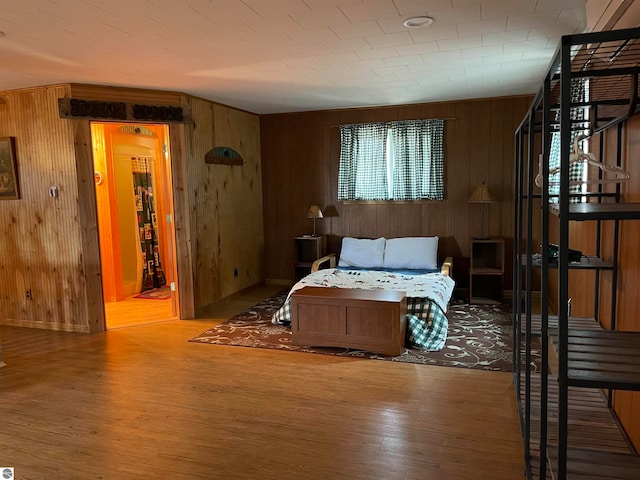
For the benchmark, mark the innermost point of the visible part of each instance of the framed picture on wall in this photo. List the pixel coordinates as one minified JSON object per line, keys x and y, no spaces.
{"x":9,"y":188}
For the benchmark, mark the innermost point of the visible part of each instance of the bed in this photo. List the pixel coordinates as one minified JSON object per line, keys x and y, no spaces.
{"x":407,"y":264}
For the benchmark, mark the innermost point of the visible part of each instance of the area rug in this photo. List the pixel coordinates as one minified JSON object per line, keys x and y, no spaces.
{"x":162,"y":293}
{"x":479,"y":337}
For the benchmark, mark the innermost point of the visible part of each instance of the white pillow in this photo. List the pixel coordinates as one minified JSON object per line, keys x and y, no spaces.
{"x":415,"y":253}
{"x":362,"y":252}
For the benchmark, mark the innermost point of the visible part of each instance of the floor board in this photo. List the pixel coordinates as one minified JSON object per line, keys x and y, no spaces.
{"x":592,"y":426}
{"x":136,"y":311}
{"x":142,"y":402}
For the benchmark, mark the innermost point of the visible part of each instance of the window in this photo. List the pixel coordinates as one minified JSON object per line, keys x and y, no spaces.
{"x":392,"y":161}
{"x":580,"y":119}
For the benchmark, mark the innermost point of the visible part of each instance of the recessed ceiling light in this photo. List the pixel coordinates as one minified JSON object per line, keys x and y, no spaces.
{"x":419,"y":21}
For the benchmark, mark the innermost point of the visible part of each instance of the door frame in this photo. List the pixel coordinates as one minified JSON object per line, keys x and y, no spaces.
{"x":88,"y":215}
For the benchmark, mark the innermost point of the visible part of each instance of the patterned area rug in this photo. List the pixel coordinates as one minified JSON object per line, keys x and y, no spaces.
{"x":479,"y":337}
{"x":162,"y":293}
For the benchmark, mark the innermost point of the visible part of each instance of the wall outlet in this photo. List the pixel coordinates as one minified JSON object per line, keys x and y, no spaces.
{"x":235,"y":272}
{"x":29,"y":294}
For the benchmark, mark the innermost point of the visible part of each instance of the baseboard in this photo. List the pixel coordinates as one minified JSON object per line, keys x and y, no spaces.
{"x":278,"y":281}
{"x":253,"y":286}
{"x":129,"y":289}
{"x":61,"y":327}
{"x":507,"y":295}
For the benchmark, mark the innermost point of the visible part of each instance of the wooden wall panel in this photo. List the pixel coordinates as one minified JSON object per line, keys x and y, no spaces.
{"x":300,"y":158}
{"x":225,"y":202}
{"x":50,"y":245}
{"x":464,"y":153}
{"x":203,"y":204}
{"x":269,"y":190}
{"x":582,"y":236}
{"x":627,"y":404}
{"x":41,"y":236}
{"x":239,"y":194}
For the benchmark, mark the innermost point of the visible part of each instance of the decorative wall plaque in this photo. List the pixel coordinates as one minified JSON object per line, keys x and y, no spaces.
{"x":100,"y":110}
{"x":223,"y":156}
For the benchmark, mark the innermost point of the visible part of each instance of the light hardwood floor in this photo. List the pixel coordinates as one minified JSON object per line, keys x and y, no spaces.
{"x":136,"y":311}
{"x":143,"y":403}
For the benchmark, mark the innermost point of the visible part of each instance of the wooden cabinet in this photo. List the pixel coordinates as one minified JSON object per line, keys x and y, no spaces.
{"x":486,"y":271}
{"x":306,"y":250}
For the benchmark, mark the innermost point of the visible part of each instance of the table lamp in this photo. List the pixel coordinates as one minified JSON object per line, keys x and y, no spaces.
{"x":314,"y":212}
{"x":481,"y":194}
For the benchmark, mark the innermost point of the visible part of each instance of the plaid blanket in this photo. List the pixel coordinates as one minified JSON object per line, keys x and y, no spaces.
{"x":427,"y":299}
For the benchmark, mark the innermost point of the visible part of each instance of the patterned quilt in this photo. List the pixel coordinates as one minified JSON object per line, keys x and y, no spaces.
{"x":427,"y":298}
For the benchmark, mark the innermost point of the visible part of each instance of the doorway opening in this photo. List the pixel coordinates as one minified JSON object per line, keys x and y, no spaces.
{"x":135,"y":222}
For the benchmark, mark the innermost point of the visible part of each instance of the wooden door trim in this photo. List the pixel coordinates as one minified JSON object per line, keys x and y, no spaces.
{"x":181,"y":221}
{"x":88,"y":214}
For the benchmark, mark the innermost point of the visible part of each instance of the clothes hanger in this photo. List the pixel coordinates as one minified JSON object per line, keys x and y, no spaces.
{"x":616,"y":174}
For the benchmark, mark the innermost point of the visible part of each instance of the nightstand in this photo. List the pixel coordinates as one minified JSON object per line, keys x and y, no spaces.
{"x":306,"y":250}
{"x":487,"y":269}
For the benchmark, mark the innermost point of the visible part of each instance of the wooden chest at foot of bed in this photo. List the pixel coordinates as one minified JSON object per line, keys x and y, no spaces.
{"x":372,"y":320}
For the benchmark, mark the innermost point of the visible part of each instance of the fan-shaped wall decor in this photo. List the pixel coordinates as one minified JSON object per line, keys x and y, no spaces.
{"x":137,"y":130}
{"x":223,"y":156}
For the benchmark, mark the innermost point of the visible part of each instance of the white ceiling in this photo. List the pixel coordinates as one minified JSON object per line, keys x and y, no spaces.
{"x":270,"y":56}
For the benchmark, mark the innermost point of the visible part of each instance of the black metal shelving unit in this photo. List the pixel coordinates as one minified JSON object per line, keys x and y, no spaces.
{"x":591,"y":361}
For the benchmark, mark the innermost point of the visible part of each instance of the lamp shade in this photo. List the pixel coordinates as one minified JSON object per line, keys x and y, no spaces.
{"x":482,"y":194}
{"x":314,"y":212}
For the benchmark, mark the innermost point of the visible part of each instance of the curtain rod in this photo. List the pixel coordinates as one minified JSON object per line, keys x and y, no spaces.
{"x":441,"y":118}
